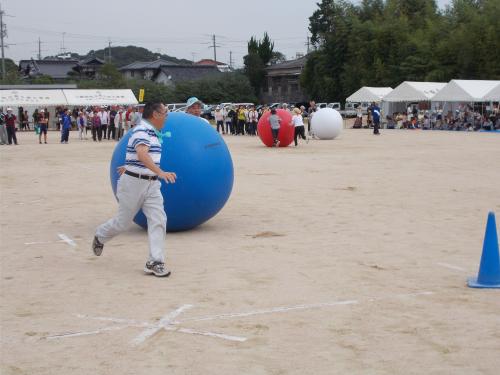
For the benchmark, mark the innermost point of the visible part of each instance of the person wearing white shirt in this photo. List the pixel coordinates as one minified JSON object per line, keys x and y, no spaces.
{"x":298,"y":123}
{"x":253,"y":118}
{"x":219,"y":119}
{"x":104,"y":116}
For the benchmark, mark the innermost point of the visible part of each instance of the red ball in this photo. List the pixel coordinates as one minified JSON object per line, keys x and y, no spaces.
{"x":286,"y":133}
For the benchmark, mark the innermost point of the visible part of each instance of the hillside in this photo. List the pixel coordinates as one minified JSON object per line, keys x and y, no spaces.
{"x":121,"y":56}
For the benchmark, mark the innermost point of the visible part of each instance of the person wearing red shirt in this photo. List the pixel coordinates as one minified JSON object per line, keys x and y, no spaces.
{"x":10,"y":123}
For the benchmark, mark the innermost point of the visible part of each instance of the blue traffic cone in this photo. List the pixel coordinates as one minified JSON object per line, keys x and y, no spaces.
{"x":489,"y":269}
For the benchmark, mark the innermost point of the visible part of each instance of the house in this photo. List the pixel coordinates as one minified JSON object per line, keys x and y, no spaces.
{"x":60,"y":69}
{"x":282,"y":82}
{"x":167,"y":72}
{"x":170,"y":75}
{"x":208,"y":62}
{"x":88,"y":68}
{"x":144,"y":69}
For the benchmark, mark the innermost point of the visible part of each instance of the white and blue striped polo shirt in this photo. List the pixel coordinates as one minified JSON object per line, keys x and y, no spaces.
{"x":142,"y":134}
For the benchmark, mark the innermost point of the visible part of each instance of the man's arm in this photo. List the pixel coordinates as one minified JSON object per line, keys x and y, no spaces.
{"x":143,"y":155}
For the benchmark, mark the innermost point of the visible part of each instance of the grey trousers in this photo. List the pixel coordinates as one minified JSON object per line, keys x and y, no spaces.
{"x":133,"y":194}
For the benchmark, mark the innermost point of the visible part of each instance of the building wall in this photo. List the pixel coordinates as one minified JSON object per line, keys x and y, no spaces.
{"x":282,"y":89}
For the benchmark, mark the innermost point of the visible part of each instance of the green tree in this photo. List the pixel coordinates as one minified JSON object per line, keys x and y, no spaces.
{"x":260,"y":54}
{"x":11,"y":73}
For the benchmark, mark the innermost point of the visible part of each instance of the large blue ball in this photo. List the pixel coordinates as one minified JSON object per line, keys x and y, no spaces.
{"x":200,"y":158}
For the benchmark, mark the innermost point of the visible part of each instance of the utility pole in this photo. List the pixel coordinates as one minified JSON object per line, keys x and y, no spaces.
{"x":230,"y":59}
{"x":39,"y":49}
{"x":214,"y":47}
{"x":3,"y":33}
{"x":308,"y":45}
{"x":63,"y":49}
{"x":109,"y":46}
{"x":193,"y":54}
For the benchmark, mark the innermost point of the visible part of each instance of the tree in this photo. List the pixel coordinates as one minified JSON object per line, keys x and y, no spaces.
{"x":380,"y":43}
{"x":11,"y":73}
{"x":260,"y":54}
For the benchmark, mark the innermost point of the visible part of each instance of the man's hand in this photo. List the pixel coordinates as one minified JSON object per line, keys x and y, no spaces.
{"x":121,"y":170}
{"x":169,"y":177}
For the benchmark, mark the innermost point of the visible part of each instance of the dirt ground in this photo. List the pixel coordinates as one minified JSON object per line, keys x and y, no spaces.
{"x":336,"y":257}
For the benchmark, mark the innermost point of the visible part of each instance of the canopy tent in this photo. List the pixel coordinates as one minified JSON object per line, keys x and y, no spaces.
{"x":18,"y":98}
{"x":459,"y":90}
{"x":369,"y":94}
{"x":414,"y":92}
{"x":22,"y":98}
{"x":493,"y":95}
{"x":100,"y":97}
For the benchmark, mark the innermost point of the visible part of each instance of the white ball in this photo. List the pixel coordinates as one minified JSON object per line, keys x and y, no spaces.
{"x":326,"y":123}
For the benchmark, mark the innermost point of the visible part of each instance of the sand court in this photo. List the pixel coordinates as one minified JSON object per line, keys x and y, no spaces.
{"x":336,"y":257}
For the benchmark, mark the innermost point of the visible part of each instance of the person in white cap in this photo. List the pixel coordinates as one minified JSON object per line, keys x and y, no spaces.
{"x":194,"y":107}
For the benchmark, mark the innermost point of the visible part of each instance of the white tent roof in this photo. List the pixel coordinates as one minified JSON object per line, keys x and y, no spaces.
{"x":100,"y":97}
{"x":493,"y":95}
{"x":18,"y":98}
{"x":459,"y":90}
{"x":369,"y":94}
{"x":414,"y":92}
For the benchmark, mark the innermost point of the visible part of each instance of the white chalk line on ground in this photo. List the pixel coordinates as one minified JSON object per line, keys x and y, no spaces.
{"x":168,"y":323}
{"x":451,"y":267}
{"x":267,"y":311}
{"x":163,"y":323}
{"x":66,"y":239}
{"x":63,"y":238}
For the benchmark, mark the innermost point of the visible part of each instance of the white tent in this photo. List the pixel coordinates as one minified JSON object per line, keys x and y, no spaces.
{"x":100,"y":97}
{"x":493,"y":95}
{"x":24,"y":98}
{"x":459,"y":90}
{"x":369,"y":94}
{"x":414,"y":92}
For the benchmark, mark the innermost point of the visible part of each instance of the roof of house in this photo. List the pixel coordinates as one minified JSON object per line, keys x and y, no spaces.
{"x":209,"y":62}
{"x":91,"y":60}
{"x":291,"y":64}
{"x":57,"y":69}
{"x":142,"y":65}
{"x":188,"y":72}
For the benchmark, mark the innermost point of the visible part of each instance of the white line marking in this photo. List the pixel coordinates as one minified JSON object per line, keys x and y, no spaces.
{"x":168,"y":322}
{"x":210,"y":334}
{"x":84,"y":333}
{"x":268,"y":311}
{"x":451,"y":267}
{"x":130,"y":322}
{"x":164,"y":322}
{"x":66,"y":239}
{"x":48,"y":242}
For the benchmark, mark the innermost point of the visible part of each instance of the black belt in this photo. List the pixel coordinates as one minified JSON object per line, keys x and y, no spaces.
{"x":142,"y":176}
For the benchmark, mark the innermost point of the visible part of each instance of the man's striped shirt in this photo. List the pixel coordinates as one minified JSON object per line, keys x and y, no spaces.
{"x":142,"y":134}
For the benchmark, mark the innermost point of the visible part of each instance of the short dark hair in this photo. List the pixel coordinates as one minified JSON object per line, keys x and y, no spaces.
{"x":151,"y":107}
{"x":273,"y":111}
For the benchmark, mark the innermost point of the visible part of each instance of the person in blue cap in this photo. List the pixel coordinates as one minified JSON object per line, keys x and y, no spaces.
{"x":194,"y":106}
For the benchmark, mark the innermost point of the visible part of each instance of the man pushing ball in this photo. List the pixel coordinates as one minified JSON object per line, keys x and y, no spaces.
{"x":138,"y":188}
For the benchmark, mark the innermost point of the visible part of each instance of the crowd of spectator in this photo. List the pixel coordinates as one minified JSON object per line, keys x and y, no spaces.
{"x":103,"y":123}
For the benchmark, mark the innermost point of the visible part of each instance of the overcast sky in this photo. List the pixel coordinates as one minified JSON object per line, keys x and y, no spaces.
{"x":181,"y":28}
